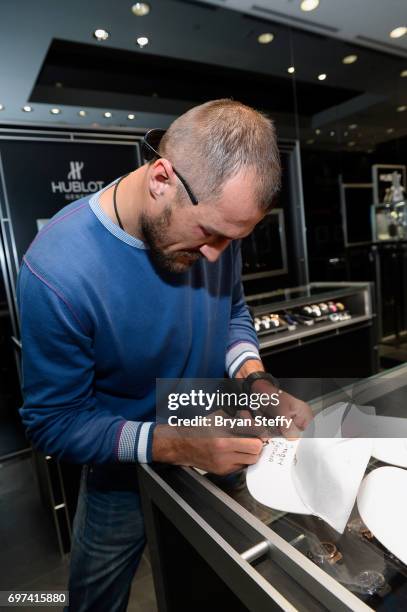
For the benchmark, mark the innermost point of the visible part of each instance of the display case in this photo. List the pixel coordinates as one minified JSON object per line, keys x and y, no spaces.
{"x":212,"y":545}
{"x":317,"y":320}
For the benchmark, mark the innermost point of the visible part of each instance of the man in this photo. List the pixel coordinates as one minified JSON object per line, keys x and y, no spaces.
{"x":142,"y":281}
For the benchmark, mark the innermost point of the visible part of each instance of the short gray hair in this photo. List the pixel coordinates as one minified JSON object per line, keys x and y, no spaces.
{"x":212,"y":142}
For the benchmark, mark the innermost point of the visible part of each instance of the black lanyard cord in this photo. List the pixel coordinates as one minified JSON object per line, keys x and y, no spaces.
{"x":115,"y":202}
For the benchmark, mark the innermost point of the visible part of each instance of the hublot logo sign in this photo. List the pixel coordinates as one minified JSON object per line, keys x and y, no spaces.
{"x":75,"y":187}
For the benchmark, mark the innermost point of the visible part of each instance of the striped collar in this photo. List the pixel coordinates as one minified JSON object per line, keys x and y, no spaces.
{"x":109,"y":224}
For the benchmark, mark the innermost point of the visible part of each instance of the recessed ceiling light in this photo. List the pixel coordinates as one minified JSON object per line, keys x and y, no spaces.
{"x":58,"y":84}
{"x":2,"y":107}
{"x":351,"y":143}
{"x":82,"y":113}
{"x":291,"y":70}
{"x":107,"y":114}
{"x":131,"y":116}
{"x":401,"y":109}
{"x":140,"y":9}
{"x":310,"y":141}
{"x":353,"y":126}
{"x":101,"y":34}
{"x":142,"y":41}
{"x":332,"y":133}
{"x":317,"y":131}
{"x":309,"y":5}
{"x":398,"y":32}
{"x":345,"y":133}
{"x":27,"y":108}
{"x":265,"y":38}
{"x":390,"y":130}
{"x":403,"y":73}
{"x":322,"y":77}
{"x":55,"y":111}
{"x":349,"y":59}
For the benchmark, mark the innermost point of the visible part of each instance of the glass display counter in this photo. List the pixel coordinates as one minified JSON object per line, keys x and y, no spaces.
{"x":213,"y":545}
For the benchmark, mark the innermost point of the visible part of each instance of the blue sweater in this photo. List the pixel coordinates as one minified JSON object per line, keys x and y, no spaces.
{"x":99,"y":324}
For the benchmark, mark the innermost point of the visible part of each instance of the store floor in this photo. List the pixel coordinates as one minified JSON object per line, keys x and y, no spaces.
{"x":29,"y":556}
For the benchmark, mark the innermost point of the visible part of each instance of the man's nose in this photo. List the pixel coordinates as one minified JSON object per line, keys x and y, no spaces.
{"x":212,"y":251}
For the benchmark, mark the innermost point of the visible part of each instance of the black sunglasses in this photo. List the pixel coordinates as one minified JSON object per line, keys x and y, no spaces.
{"x":149,"y":146}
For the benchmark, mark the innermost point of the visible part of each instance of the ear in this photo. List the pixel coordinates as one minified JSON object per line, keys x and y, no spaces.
{"x":162,"y":178}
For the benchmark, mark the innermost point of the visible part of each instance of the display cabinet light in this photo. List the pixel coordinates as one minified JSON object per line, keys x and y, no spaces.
{"x":142,"y":41}
{"x":349,"y":59}
{"x":291,"y":70}
{"x":101,"y":34}
{"x":351,"y":143}
{"x":27,"y":108}
{"x":390,"y":130}
{"x":310,"y":141}
{"x":309,"y":5}
{"x":398,"y":32}
{"x":317,"y":131}
{"x":403,"y":73}
{"x":322,"y":77}
{"x":353,"y":126}
{"x":140,"y":9}
{"x":265,"y":38}
{"x":107,"y":114}
{"x":55,"y":111}
{"x":82,"y":113}
{"x":402,"y":108}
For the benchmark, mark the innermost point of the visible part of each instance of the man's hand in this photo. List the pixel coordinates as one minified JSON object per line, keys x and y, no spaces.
{"x":218,"y":455}
{"x":289,"y":406}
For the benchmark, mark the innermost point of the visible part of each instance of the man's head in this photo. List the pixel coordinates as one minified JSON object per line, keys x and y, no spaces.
{"x":227,"y":153}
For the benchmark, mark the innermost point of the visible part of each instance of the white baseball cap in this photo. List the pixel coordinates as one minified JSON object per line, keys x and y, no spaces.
{"x":320,"y":473}
{"x":382,"y":505}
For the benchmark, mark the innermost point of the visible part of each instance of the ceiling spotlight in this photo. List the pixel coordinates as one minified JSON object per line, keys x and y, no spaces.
{"x":322,"y":77}
{"x":390,"y":130}
{"x":317,"y":131}
{"x":353,"y":126}
{"x":403,"y":73}
{"x":351,"y":143}
{"x":140,"y":9}
{"x":349,"y":59}
{"x":101,"y":34}
{"x":309,"y":5}
{"x":398,"y":32}
{"x":291,"y":70}
{"x":2,"y":107}
{"x":142,"y":41}
{"x":107,"y":114}
{"x":131,"y":116}
{"x":265,"y":38}
{"x":332,"y":133}
{"x":27,"y":108}
{"x":401,"y":109}
{"x":82,"y":113}
{"x":55,"y":111}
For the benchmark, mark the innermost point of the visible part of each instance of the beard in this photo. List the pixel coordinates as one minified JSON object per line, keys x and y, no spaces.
{"x":154,"y":232}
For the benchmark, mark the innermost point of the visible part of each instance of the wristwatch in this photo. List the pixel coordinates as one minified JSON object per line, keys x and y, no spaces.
{"x":254,"y":376}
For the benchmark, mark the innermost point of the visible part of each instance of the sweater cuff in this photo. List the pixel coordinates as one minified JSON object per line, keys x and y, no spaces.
{"x":135,"y":442}
{"x":237,"y":354}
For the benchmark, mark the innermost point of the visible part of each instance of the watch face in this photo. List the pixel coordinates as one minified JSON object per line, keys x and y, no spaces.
{"x":328,"y":551}
{"x":370,"y":581}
